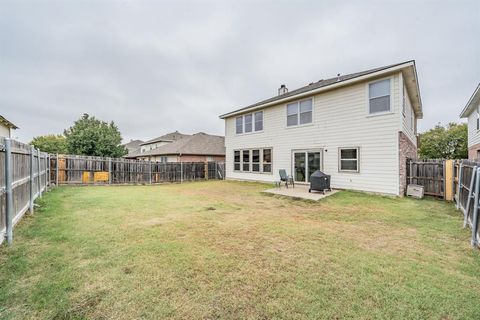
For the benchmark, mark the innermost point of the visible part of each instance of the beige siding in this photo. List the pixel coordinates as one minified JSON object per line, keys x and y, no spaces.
{"x":340,"y":120}
{"x":4,"y":131}
{"x":409,"y":121}
{"x":473,"y":133}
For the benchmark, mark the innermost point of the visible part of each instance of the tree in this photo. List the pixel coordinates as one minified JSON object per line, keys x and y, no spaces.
{"x":51,"y":143}
{"x":445,"y":142}
{"x":92,"y":137}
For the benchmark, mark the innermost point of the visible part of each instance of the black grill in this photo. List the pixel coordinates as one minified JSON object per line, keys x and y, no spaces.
{"x":319,"y":181}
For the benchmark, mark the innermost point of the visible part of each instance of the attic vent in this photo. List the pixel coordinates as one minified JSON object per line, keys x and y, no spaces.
{"x":338,"y":76}
{"x":283,"y":89}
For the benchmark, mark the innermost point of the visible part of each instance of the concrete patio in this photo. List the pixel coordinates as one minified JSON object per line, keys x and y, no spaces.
{"x":300,"y":192}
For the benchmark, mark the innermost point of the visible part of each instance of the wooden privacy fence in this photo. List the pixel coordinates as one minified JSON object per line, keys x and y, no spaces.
{"x":24,"y":173}
{"x":436,"y":177}
{"x":68,"y":169}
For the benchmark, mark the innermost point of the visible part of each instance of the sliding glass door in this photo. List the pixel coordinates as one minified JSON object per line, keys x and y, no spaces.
{"x":306,"y":162}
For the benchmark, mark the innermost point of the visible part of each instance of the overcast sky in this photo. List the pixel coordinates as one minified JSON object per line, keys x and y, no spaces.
{"x":155,"y":67}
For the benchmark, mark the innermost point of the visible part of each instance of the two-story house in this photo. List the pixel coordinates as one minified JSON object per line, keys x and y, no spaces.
{"x":472,"y":113}
{"x":359,"y":128}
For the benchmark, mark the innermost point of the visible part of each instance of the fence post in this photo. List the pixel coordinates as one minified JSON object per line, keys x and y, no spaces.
{"x":9,"y":190}
{"x":109,"y":170}
{"x":181,"y":172}
{"x":32,"y":174}
{"x":56,"y":171}
{"x":149,"y":171}
{"x":46,"y":173}
{"x":475,"y":210}
{"x":216,"y":170}
{"x":470,"y":192}
{"x":460,"y":172}
{"x":39,"y":176}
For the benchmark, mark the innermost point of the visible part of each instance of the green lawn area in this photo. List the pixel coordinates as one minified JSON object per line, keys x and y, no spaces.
{"x":224,"y":250}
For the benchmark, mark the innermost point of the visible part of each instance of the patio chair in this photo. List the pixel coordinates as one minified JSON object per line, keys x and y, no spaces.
{"x":286,"y":178}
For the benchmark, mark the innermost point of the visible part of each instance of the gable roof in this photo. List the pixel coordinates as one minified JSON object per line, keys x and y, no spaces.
{"x":408,"y":67}
{"x":7,"y":123}
{"x":472,"y":103}
{"x":169,"y":137}
{"x":133,"y":144}
{"x":196,"y":144}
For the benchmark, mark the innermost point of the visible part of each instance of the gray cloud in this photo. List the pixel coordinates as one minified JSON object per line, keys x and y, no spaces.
{"x":154,"y":67}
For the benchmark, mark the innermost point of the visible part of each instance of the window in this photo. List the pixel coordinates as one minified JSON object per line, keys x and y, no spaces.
{"x":248,"y":122}
{"x":348,"y":160}
{"x":163,"y":159}
{"x":299,"y":112}
{"x":236,"y":160}
{"x":267,"y":160}
{"x":246,"y":160}
{"x":256,"y":160}
{"x":379,"y":96}
{"x":253,"y":160}
{"x":259,"y":121}
{"x":478,"y":119}
{"x":239,"y":124}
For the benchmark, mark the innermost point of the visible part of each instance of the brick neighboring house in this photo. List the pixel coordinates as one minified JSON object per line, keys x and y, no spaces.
{"x":472,"y":112}
{"x":179,"y":147}
{"x":6,"y":127}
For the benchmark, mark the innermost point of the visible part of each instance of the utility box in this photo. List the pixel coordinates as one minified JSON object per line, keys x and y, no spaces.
{"x":415,"y":191}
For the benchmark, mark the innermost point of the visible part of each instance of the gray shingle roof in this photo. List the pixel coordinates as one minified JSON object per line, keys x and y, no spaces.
{"x":315,"y":85}
{"x":197,"y":144}
{"x":173,"y":136}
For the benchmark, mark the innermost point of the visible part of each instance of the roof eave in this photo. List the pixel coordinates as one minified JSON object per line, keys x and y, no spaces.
{"x":471,"y":103}
{"x":329,"y":87}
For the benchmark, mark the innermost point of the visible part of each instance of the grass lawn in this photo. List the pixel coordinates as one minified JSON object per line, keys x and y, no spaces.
{"x":224,"y":250}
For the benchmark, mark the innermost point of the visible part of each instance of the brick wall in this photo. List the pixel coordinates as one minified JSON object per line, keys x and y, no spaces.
{"x":407,"y":150}
{"x":472,"y":152}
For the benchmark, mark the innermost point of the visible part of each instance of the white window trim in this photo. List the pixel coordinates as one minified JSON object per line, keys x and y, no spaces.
{"x":251,"y":160}
{"x":298,"y":114}
{"x":253,"y":123}
{"x":340,"y":159}
{"x":367,"y":89}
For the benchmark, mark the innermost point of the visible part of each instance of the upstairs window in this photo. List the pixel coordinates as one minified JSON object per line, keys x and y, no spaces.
{"x":299,"y":112}
{"x":249,"y":122}
{"x":348,"y":159}
{"x":259,"y":121}
{"x":379,"y":96}
{"x":239,"y":124}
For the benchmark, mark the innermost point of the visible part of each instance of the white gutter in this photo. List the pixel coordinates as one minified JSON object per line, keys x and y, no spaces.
{"x":328,"y":87}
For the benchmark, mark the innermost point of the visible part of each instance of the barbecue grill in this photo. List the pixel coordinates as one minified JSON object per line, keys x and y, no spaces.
{"x":319,"y":181}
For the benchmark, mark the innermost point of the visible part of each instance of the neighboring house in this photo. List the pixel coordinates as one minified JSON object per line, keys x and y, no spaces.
{"x":359,"y":128}
{"x":133,"y":146}
{"x":178,"y":147}
{"x":472,"y":113}
{"x":6,"y":127}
